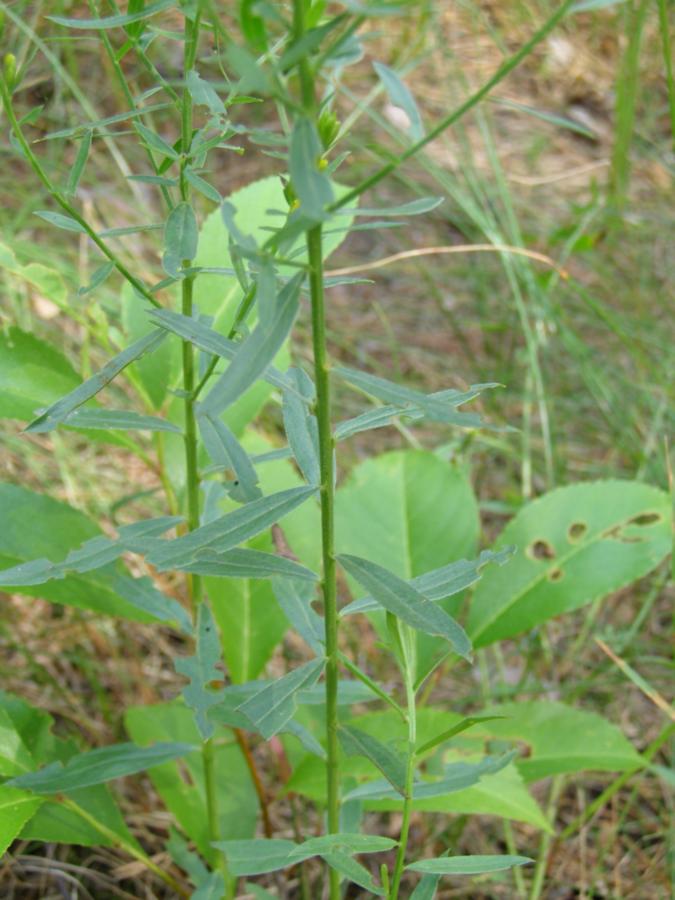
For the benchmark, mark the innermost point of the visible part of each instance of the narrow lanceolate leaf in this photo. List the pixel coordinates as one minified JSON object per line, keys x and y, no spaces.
{"x":432,"y":407}
{"x":99,"y":766}
{"x":457,"y":777}
{"x":443,"y":582}
{"x":201,"y":670}
{"x":154,"y":142}
{"x":266,"y":293}
{"x":60,"y":220}
{"x":426,"y":888}
{"x":246,"y":563}
{"x":295,"y":598}
{"x":226,"y":452}
{"x":79,"y":164}
{"x":301,"y":426}
{"x":257,"y":352}
{"x":272,"y":707}
{"x":408,"y":604}
{"x":468,"y":865}
{"x":117,"y":420}
{"x":181,"y":237}
{"x":461,"y":726}
{"x":202,"y":185}
{"x":114,"y":21}
{"x":142,"y":594}
{"x":356,"y":742}
{"x":414,"y":208}
{"x":341,"y":843}
{"x":256,"y":857}
{"x":97,"y":279}
{"x":400,"y":96}
{"x":230,"y":530}
{"x":313,"y":187}
{"x":56,"y":413}
{"x":353,"y":871}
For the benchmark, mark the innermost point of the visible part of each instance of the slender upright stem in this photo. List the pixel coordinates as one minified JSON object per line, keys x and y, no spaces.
{"x":327,"y":487}
{"x":192,"y":479}
{"x":408,"y":787}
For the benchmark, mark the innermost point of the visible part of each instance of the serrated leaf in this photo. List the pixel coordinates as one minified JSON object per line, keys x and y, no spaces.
{"x":575,"y":544}
{"x":313,"y":187}
{"x":79,"y":164}
{"x":202,"y":671}
{"x":60,"y":221}
{"x":301,"y":426}
{"x":400,"y":96}
{"x":246,"y":563}
{"x":408,"y":604}
{"x":388,"y":761}
{"x":256,"y":352}
{"x":114,"y":21}
{"x":16,"y":809}
{"x":230,"y":530}
{"x":98,"y":766}
{"x":295,"y":598}
{"x":467,"y":865}
{"x":442,"y":582}
{"x":58,"y":411}
{"x":272,"y":707}
{"x":117,"y":420}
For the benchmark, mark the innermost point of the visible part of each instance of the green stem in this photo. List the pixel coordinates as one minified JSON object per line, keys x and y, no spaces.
{"x":409,"y":781}
{"x":125,"y":845}
{"x":61,"y":200}
{"x":543,"y":855}
{"x":457,"y":114}
{"x":192,"y":480}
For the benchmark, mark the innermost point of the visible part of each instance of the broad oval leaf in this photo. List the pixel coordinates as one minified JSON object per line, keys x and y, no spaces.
{"x":575,"y":544}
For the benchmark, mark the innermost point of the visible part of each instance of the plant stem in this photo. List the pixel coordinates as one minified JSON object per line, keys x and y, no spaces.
{"x":543,"y":856}
{"x":192,"y":480}
{"x":409,"y":780}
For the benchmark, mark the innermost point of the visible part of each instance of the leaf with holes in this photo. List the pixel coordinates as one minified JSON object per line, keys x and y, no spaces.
{"x":201,"y":670}
{"x":575,"y":544}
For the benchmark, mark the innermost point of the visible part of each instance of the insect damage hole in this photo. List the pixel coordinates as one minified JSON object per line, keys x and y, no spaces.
{"x":645,"y":519}
{"x":576,"y":531}
{"x":556,"y":575}
{"x":541,"y":549}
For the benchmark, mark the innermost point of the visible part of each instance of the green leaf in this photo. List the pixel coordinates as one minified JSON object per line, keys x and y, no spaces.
{"x":400,"y":96}
{"x":252,"y":26}
{"x":79,"y":164}
{"x":467,"y":865}
{"x":590,"y":5}
{"x":576,"y":544}
{"x":60,"y":221}
{"x":561,"y":739}
{"x":203,"y":93}
{"x":247,"y":563}
{"x":426,"y":888}
{"x":114,"y":21}
{"x":272,"y":707}
{"x":201,"y":670}
{"x":117,"y":420}
{"x":36,"y":524}
{"x":445,"y":736}
{"x":301,"y":426}
{"x":414,"y":208}
{"x":181,"y":238}
{"x":438,"y":408}
{"x":212,"y":888}
{"x":295,"y":598}
{"x":313,"y":187}
{"x":256,"y":857}
{"x":405,"y":602}
{"x":442,"y":582}
{"x":353,"y":871}
{"x":98,"y":766}
{"x":256,"y":352}
{"x":341,"y":843}
{"x":389,"y":762}
{"x":58,"y":411}
{"x":16,"y":809}
{"x":33,"y":374}
{"x":456,"y":777}
{"x":97,"y":279}
{"x":227,"y":453}
{"x":230,"y":530}
{"x":181,"y":784}
{"x":154,"y":142}
{"x":202,"y":185}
